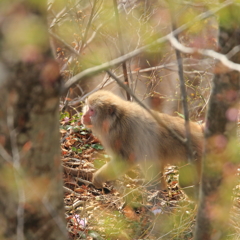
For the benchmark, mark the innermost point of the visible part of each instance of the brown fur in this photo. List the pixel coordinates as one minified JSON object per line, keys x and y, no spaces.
{"x":132,"y":136}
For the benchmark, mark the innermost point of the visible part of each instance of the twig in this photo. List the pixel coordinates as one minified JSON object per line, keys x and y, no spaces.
{"x":184,"y":95}
{"x":59,"y":16}
{"x":4,"y":154}
{"x":65,"y":104}
{"x":185,"y":106}
{"x":88,"y":26}
{"x":104,"y":83}
{"x":124,"y":66}
{"x":155,"y":116}
{"x":107,"y":65}
{"x":83,"y":181}
{"x":68,"y":190}
{"x":75,"y":205}
{"x":69,"y":47}
{"x":206,"y":52}
{"x":77,"y":172}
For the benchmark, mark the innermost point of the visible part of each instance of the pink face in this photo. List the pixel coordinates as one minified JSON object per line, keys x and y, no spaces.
{"x":88,"y":112}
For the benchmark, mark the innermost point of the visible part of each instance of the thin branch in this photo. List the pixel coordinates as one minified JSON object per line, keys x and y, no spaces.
{"x":206,"y":52}
{"x":88,"y":26}
{"x":58,"y":18}
{"x":170,"y":66}
{"x":69,"y":47}
{"x":184,"y":95}
{"x":4,"y":154}
{"x":185,"y":107}
{"x":107,"y":65}
{"x":124,"y":66}
{"x":152,"y":113}
{"x":75,"y":205}
{"x":95,"y":32}
{"x":68,"y":190}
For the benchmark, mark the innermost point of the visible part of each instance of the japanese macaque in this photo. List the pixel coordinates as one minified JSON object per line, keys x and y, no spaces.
{"x":131,"y":136}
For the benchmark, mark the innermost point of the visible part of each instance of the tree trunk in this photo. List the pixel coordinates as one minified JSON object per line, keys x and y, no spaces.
{"x":221,"y":149}
{"x":31,"y":196}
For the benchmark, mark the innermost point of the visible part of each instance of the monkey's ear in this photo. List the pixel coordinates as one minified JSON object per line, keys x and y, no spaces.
{"x":112,"y":109}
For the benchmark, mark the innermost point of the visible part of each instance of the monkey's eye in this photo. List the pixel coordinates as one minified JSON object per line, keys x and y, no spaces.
{"x":91,"y":111}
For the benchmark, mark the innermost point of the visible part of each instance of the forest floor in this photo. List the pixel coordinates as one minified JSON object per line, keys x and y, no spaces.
{"x":125,"y":208}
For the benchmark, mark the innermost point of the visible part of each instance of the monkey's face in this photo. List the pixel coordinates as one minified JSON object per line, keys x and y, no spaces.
{"x":88,"y":113}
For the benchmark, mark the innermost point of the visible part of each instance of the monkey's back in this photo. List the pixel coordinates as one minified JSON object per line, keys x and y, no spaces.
{"x":134,"y":134}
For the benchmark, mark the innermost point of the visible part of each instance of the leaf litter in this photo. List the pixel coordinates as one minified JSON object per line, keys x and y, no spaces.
{"x":124,"y":208}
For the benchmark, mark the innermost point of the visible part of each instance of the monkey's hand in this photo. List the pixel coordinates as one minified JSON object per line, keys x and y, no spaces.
{"x":103,"y":174}
{"x":98,"y":180}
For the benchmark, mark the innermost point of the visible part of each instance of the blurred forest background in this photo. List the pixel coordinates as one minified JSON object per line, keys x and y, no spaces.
{"x":170,"y":54}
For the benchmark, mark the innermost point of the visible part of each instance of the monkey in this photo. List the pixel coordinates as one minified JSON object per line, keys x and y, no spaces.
{"x":131,"y":136}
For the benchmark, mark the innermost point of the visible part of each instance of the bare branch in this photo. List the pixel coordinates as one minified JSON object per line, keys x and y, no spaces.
{"x":207,"y":52}
{"x":69,"y":47}
{"x":185,"y":107}
{"x":184,"y":100}
{"x":107,"y":65}
{"x":88,"y":26}
{"x":152,"y":113}
{"x":170,"y":66}
{"x":124,"y":66}
{"x":5,"y":154}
